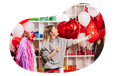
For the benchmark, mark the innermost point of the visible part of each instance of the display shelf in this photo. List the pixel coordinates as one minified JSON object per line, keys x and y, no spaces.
{"x":78,"y":60}
{"x":85,"y":55}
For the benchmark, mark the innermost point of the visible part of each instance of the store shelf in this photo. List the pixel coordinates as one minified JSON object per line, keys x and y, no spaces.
{"x":45,"y":21}
{"x":85,"y":55}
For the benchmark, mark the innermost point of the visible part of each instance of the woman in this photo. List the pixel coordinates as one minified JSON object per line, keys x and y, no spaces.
{"x":53,"y":48}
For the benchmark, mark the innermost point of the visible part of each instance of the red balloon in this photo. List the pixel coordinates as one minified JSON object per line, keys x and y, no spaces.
{"x":101,"y":33}
{"x":99,"y":21}
{"x":94,"y":34}
{"x":15,"y":41}
{"x":68,"y":29}
{"x":72,"y":29}
{"x":60,"y":28}
{"x":91,"y":25}
{"x":24,"y":21}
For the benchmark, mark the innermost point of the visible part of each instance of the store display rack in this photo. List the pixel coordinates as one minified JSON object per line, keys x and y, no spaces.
{"x":78,"y":60}
{"x":81,"y":61}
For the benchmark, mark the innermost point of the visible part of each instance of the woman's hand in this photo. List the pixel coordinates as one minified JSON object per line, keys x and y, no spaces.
{"x":55,"y":51}
{"x":88,"y":37}
{"x":58,"y":48}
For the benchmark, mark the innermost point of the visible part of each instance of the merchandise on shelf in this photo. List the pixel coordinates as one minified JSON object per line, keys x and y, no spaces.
{"x":41,"y":35}
{"x":64,"y":67}
{"x":46,"y":18}
{"x":71,"y":53}
{"x":41,"y":69}
{"x":42,"y":18}
{"x":34,"y":19}
{"x":37,"y":52}
{"x":72,"y":67}
{"x":88,"y":52}
{"x":54,"y":18}
{"x":51,"y":18}
{"x":37,"y":34}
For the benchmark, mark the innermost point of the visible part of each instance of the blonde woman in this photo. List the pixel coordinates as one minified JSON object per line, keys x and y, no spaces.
{"x":53,"y":48}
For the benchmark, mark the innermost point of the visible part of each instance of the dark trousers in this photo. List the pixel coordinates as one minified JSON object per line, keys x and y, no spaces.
{"x":51,"y":69}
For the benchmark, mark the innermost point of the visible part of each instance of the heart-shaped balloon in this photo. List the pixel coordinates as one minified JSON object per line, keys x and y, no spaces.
{"x":99,"y":21}
{"x":61,"y":27}
{"x":68,"y":29}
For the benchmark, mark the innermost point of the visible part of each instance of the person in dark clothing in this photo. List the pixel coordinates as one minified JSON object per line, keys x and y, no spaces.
{"x":99,"y":51}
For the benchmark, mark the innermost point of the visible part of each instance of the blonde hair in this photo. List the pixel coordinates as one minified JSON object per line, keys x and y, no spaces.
{"x":46,"y":34}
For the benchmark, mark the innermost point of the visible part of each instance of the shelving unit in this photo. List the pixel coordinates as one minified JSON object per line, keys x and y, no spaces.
{"x":80,"y":61}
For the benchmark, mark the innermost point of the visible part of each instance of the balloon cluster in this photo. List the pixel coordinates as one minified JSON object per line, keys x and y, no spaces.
{"x":23,"y":29}
{"x":89,"y":22}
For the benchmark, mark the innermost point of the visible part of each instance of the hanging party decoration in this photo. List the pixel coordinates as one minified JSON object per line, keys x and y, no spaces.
{"x":24,"y":55}
{"x":92,"y":11}
{"x":18,"y":31}
{"x":83,"y":43}
{"x":84,"y":18}
{"x":11,"y":45}
{"x":94,"y":34}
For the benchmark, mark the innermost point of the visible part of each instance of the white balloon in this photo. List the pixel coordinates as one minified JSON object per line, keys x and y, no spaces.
{"x":18,"y":30}
{"x":92,"y":11}
{"x":83,"y":43}
{"x":29,"y":26}
{"x":11,"y":45}
{"x":84,"y":18}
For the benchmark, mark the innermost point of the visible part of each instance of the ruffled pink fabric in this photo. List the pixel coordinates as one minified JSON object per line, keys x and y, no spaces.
{"x":25,"y":56}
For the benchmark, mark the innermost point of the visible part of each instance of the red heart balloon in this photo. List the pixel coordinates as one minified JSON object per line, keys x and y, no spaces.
{"x":68,"y":29}
{"x":99,"y":21}
{"x":91,"y":25}
{"x":61,"y":27}
{"x":24,"y":21}
{"x":94,"y":34}
{"x":101,"y":33}
{"x":15,"y":41}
